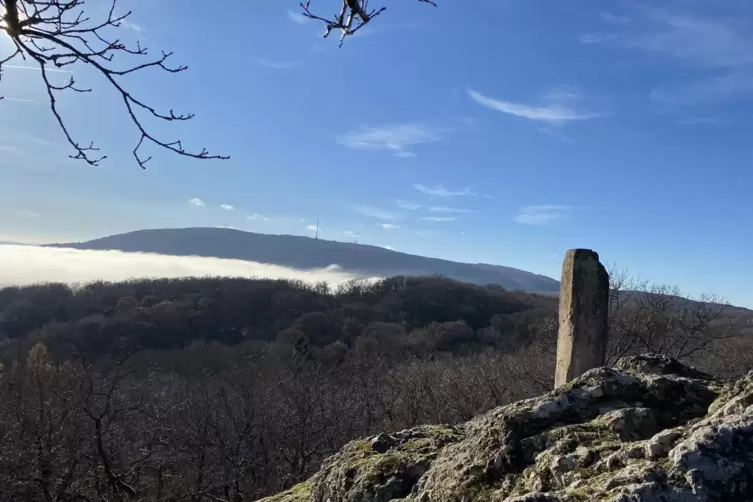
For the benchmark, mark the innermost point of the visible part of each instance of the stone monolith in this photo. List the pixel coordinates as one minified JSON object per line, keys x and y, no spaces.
{"x":583,"y":315}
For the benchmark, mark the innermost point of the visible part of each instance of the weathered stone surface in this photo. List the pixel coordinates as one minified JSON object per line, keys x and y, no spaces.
{"x":665,"y":433}
{"x":583,"y":314}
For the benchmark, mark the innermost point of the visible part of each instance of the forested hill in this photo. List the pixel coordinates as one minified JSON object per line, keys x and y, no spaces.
{"x":419,"y":314}
{"x":307,"y":253}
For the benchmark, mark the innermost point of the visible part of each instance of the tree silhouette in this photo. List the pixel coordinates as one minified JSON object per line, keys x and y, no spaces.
{"x":56,"y":34}
{"x":353,"y":15}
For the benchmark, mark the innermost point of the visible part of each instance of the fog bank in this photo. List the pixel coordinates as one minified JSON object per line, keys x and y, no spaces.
{"x":22,"y":265}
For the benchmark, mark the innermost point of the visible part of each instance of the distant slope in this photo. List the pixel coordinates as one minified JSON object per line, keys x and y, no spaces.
{"x":307,"y":253}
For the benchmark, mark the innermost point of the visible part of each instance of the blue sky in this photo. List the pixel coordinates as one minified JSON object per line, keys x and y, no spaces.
{"x":505,"y":133}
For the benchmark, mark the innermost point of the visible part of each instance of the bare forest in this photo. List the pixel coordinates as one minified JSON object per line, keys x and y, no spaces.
{"x":232,"y":389}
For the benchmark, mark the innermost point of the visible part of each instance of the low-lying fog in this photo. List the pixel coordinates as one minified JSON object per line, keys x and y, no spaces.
{"x":22,"y":265}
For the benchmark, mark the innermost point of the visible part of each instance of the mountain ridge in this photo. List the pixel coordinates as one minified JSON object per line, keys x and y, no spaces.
{"x":308,"y":253}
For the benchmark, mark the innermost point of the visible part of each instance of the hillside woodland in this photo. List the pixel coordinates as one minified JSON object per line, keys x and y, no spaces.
{"x":218,"y":389}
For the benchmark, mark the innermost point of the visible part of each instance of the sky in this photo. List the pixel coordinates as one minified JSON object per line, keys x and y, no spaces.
{"x":505,"y":133}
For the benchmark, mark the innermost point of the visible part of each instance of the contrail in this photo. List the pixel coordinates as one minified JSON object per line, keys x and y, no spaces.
{"x":18,"y":99}
{"x":18,"y":67}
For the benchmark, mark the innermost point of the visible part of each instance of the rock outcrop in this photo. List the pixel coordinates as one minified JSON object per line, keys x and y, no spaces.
{"x":649,"y":429}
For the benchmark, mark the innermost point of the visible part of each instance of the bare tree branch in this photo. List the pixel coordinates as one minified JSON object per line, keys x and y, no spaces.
{"x":657,"y":319}
{"x":59,"y":33}
{"x":353,"y":15}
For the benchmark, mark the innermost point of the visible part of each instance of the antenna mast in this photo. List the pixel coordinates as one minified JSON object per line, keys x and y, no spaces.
{"x":317,"y":228}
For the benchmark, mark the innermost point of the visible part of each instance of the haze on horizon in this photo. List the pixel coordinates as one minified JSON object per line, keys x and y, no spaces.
{"x":25,"y":265}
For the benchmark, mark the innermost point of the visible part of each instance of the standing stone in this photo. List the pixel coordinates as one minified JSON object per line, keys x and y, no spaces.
{"x":583,"y":321}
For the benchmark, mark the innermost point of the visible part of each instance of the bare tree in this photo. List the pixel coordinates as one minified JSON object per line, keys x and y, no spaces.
{"x":40,"y":440}
{"x":55,"y":34}
{"x":654,"y":318}
{"x":353,"y":15}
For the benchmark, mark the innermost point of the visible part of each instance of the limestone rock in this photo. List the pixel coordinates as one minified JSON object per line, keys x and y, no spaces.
{"x":650,"y":429}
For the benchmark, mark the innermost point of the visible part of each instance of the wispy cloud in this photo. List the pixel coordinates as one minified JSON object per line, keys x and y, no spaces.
{"x":11,"y":150}
{"x":313,"y":228}
{"x":297,"y":17}
{"x":406,"y":155}
{"x":697,"y":39}
{"x":706,"y":91}
{"x":257,"y":217}
{"x":36,"y":68}
{"x":131,"y":26}
{"x":550,"y":131}
{"x":227,"y":207}
{"x":445,"y":209}
{"x":410,"y":206}
{"x":388,"y":226}
{"x":557,"y":108}
{"x":688,"y":33}
{"x":378,"y":213}
{"x":352,"y":234}
{"x":615,"y":19}
{"x":439,"y":218}
{"x":277,"y":65}
{"x":26,"y":213}
{"x":394,"y":137}
{"x":711,"y":121}
{"x":196,"y":202}
{"x":440,"y":191}
{"x":597,"y":38}
{"x":541,"y":215}
{"x":21,"y":100}
{"x":388,"y":247}
{"x":34,"y":141}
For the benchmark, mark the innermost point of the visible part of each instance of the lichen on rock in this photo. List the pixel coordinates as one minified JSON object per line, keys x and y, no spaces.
{"x":649,"y":429}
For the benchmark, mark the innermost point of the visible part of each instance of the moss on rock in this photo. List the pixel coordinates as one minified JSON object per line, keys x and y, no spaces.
{"x":298,"y":493}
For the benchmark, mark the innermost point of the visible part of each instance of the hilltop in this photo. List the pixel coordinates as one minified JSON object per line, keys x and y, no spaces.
{"x":308,"y":253}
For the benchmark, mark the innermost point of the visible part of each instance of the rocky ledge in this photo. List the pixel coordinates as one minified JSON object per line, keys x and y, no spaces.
{"x":649,"y":429}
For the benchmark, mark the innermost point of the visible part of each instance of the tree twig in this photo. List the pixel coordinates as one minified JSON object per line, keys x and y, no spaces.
{"x":351,"y":11}
{"x":59,"y":33}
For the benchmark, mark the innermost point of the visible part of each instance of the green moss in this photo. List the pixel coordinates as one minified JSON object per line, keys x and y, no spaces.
{"x":581,"y":495}
{"x":416,"y":445}
{"x":439,"y":429}
{"x":361,"y":446}
{"x":376,"y":466}
{"x":420,"y":440}
{"x":595,"y":436}
{"x":388,"y":463}
{"x":298,"y":493}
